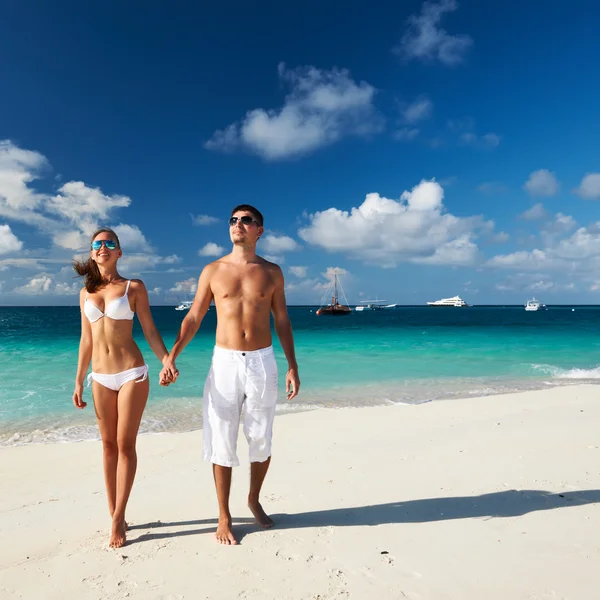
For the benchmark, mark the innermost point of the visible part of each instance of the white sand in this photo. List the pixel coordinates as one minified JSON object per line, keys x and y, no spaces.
{"x":483,"y":498}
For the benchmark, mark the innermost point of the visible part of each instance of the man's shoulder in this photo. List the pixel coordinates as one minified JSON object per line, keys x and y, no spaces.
{"x":215,"y":265}
{"x":267,"y":264}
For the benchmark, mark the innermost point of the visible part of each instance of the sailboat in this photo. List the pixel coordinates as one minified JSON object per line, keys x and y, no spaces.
{"x":334,"y":308}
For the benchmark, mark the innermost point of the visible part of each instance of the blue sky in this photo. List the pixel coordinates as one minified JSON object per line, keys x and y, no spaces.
{"x":422,"y":149}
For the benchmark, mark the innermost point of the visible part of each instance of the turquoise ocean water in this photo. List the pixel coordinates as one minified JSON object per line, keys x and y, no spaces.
{"x":408,"y":355}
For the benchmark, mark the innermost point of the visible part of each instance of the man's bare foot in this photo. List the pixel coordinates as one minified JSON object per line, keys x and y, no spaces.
{"x":117,"y":534}
{"x":224,"y":534}
{"x":262,"y":518}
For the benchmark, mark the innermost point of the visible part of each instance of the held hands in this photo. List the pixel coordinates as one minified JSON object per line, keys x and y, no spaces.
{"x":78,"y":396}
{"x":169,"y":373}
{"x":292,"y":383}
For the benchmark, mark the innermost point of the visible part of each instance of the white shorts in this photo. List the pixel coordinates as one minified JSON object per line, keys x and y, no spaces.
{"x":239,"y":379}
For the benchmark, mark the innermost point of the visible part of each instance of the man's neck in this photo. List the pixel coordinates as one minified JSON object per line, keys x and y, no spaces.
{"x":243,"y":254}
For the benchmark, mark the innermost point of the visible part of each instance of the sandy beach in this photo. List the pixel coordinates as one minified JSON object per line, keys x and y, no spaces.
{"x":495,"y":497}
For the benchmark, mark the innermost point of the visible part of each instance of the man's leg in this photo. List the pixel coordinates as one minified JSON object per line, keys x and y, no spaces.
{"x":261,"y":399}
{"x":221,"y":417}
{"x":258,"y":472}
{"x":222,"y":477}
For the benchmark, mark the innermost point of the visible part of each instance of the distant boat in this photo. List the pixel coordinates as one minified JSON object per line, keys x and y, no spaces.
{"x":334,"y":308}
{"x":456,"y":301}
{"x":373,"y":305}
{"x":185,"y":305}
{"x":533,"y":305}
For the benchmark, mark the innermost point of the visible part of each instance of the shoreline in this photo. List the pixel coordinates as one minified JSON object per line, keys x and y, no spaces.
{"x":182,"y":415}
{"x":439,"y":503}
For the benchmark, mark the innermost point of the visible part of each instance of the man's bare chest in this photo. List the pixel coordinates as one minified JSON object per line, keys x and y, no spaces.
{"x":254,"y":285}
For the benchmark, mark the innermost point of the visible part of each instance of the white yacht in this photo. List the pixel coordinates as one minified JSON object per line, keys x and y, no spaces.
{"x":185,"y":305}
{"x":454,"y":301}
{"x":534,"y":304}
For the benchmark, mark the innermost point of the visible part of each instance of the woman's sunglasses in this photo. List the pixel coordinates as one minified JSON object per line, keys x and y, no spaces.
{"x":245,"y":220}
{"x":108,"y":244}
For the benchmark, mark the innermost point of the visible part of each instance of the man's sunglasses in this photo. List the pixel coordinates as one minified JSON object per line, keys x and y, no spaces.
{"x":109,"y":244}
{"x":245,"y":220}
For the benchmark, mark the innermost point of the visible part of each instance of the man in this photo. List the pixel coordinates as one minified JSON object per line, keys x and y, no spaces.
{"x":246,"y":289}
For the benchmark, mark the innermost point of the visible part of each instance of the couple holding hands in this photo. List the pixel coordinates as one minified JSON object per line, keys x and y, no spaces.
{"x":246,"y":290}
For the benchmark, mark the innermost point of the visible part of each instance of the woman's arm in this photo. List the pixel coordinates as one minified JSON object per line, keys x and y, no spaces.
{"x":153,"y":337}
{"x":85,"y":355}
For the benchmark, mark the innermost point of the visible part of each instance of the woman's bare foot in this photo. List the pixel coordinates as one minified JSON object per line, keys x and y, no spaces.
{"x":117,"y":534}
{"x":224,"y":534}
{"x":262,"y":518}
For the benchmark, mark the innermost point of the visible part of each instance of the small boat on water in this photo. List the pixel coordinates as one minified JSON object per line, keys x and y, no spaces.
{"x":455,"y":301}
{"x":373,"y":305}
{"x":533,"y":305}
{"x":334,"y":308}
{"x":185,"y":305}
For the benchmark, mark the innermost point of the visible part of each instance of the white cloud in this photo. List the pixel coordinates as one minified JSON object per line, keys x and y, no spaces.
{"x":35,"y":286}
{"x":77,"y":201}
{"x":188,"y":286}
{"x":461,"y":251}
{"x":274,"y":244}
{"x":589,"y":188}
{"x":66,"y":217}
{"x":18,"y":168}
{"x":415,"y":228}
{"x":500,"y":238}
{"x":328,"y":277}
{"x":45,"y":284}
{"x":9,"y":242}
{"x":531,"y":283}
{"x":156,"y":291}
{"x":321,"y":108}
{"x":419,"y":110}
{"x":299,"y":272}
{"x":278,"y":259}
{"x":580,"y":252}
{"x":406,"y":134}
{"x":560,"y":224}
{"x":203,"y":220}
{"x":535,"y":213}
{"x":143,"y":263}
{"x":542,"y":183}
{"x":211,"y":249}
{"x":491,"y":187}
{"x":425,"y":40}
{"x":488,"y":140}
{"x":523,"y":259}
{"x":467,"y":135}
{"x":23,"y":263}
{"x":132,"y":240}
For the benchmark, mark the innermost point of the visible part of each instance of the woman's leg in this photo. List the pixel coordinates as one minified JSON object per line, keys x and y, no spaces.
{"x":105,"y":405}
{"x":130,"y":406}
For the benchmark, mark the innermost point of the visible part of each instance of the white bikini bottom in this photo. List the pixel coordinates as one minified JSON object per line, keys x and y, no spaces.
{"x":117,"y":380}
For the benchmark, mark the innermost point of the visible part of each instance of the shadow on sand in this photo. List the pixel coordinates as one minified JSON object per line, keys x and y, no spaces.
{"x":509,"y":503}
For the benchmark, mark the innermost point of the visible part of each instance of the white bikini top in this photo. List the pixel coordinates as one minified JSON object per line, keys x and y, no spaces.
{"x":117,"y":309}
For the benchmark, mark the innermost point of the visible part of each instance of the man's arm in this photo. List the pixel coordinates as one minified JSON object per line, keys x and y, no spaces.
{"x":283,"y":328}
{"x":191,"y":322}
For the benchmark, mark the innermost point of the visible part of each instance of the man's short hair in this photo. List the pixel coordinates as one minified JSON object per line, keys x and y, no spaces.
{"x":248,"y":208}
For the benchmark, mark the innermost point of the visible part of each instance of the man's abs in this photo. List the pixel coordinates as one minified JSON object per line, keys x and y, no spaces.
{"x":243,"y":326}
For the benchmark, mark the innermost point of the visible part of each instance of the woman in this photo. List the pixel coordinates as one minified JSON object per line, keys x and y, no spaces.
{"x":119,"y":375}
